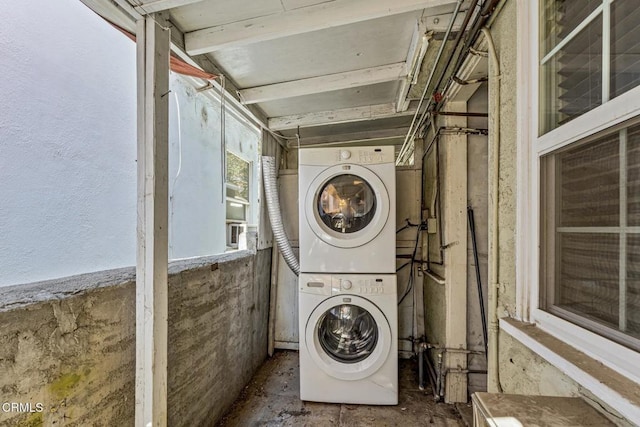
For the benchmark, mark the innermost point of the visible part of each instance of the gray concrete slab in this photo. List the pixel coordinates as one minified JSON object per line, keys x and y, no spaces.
{"x":272,"y":399}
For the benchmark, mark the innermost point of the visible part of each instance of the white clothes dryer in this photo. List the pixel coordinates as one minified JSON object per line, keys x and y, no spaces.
{"x":348,"y":338}
{"x":347,"y":202}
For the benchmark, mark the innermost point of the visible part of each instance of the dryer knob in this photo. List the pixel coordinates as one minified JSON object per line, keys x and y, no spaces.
{"x":345,"y":154}
{"x":346,"y":284}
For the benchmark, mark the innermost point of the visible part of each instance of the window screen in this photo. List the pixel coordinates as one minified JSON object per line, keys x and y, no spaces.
{"x":591,"y":234}
{"x":589,"y":54}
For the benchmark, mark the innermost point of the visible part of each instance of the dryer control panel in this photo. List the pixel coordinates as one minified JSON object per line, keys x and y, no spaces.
{"x":351,"y":155}
{"x":375,"y":156}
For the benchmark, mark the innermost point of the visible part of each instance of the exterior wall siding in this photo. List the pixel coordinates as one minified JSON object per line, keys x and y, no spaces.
{"x":522,"y":371}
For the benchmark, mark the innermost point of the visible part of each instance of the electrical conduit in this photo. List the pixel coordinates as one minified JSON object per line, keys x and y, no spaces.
{"x":275,"y":218}
{"x":493,"y":376}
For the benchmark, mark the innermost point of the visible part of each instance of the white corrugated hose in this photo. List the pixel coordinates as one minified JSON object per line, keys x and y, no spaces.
{"x":275,"y":217}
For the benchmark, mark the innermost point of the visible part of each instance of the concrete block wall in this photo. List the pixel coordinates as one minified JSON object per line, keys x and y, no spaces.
{"x":69,"y":344}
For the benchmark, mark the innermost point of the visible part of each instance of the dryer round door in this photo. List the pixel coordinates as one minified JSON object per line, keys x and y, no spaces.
{"x":347,"y":206}
{"x":348,"y":337}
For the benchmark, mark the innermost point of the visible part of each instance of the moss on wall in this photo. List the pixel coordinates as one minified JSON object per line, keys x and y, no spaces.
{"x":74,"y":352}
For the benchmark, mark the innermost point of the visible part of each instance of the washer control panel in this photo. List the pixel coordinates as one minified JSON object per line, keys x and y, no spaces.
{"x":367,"y":285}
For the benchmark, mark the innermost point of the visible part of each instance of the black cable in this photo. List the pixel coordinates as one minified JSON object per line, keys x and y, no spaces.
{"x":407,"y":225}
{"x":413,"y":258}
{"x":403,"y":266}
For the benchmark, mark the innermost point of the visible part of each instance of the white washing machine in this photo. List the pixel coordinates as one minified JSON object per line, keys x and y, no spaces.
{"x":348,"y":338}
{"x":347,"y":202}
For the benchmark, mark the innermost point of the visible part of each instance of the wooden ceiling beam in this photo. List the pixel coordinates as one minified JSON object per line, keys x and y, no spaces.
{"x":327,"y":83}
{"x":298,"y":21}
{"x":160,"y":5}
{"x":345,"y":115}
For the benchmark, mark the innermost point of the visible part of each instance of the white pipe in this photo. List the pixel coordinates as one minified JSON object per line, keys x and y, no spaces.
{"x":175,"y":178}
{"x":273,"y":206}
{"x":412,"y":132}
{"x":493,"y":375}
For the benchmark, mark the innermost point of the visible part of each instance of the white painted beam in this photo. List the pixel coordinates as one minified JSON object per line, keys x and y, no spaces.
{"x":159,"y":5}
{"x":153,"y":45}
{"x":345,"y":115}
{"x":372,"y":136}
{"x":298,"y":21}
{"x":338,"y":81}
{"x":415,"y":55}
{"x":123,"y":16}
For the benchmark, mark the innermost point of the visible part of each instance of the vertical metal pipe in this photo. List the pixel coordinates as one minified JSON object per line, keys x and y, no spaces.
{"x":472,"y":227}
{"x":432,"y":373}
{"x":412,"y":132}
{"x":493,"y":377}
{"x":440,"y":379}
{"x":421,"y":367}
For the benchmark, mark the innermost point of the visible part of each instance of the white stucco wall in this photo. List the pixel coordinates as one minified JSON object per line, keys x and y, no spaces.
{"x":67,"y":142}
{"x":197,"y":210}
{"x":68,"y":148}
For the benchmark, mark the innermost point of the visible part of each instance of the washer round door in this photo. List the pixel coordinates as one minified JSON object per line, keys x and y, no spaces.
{"x":348,"y":337}
{"x":347,"y":206}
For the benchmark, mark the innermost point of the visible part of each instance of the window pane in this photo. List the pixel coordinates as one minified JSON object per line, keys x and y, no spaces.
{"x":625,"y":46}
{"x":633,"y":176}
{"x":589,"y":282}
{"x":571,"y":81}
{"x":633,"y":285}
{"x":590,"y":258}
{"x":560,"y":17}
{"x":589,"y":182}
{"x":237,"y":176}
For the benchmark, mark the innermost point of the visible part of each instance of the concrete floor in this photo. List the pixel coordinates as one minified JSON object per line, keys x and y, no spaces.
{"x":272,"y":399}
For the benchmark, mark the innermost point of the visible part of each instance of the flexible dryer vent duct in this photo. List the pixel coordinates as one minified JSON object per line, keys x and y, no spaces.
{"x":273,"y":206}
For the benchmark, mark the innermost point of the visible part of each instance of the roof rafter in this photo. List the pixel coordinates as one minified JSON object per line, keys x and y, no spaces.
{"x":298,"y":21}
{"x":369,"y":136}
{"x":344,"y":115}
{"x":338,"y":81}
{"x":159,"y":5}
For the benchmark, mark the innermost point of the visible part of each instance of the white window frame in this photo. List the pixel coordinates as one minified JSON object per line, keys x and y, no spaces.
{"x":531,"y":148}
{"x":251,"y":207}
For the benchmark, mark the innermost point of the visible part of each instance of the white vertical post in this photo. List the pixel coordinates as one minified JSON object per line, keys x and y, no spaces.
{"x":152,"y":255}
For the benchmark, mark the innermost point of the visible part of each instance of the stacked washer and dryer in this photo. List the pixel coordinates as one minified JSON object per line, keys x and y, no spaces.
{"x":347,"y":284}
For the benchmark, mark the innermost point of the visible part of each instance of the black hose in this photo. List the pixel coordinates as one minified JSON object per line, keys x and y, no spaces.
{"x":413,"y":259}
{"x":472,"y":227}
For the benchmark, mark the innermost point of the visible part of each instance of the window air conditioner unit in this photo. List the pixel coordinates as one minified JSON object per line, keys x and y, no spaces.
{"x":233,"y":233}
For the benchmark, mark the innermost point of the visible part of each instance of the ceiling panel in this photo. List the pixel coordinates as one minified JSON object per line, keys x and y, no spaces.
{"x":381,"y":93}
{"x":297,"y":4}
{"x":353,"y":127}
{"x":345,"y":48}
{"x":209,"y":13}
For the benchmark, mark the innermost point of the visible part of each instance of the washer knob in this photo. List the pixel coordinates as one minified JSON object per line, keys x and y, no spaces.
{"x":345,"y":154}
{"x":346,"y":284}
